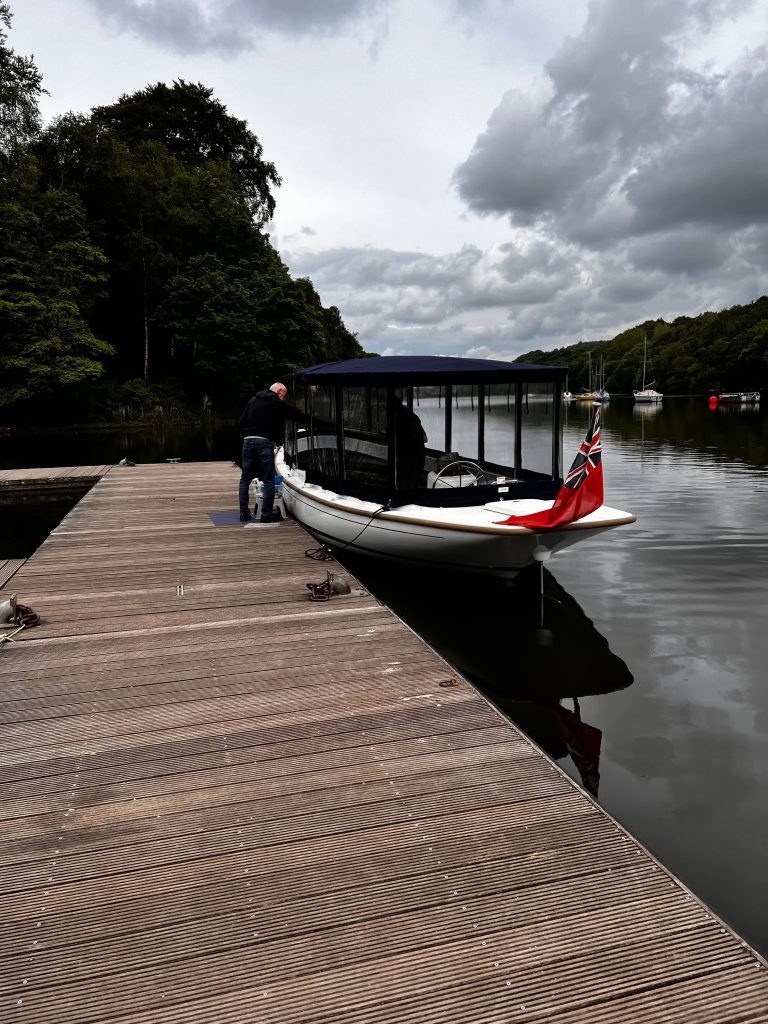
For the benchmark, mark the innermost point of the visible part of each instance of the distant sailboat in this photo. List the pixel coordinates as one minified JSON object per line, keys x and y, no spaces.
{"x":601,"y":392}
{"x":597,"y":391}
{"x":646,"y":393}
{"x":587,"y":394}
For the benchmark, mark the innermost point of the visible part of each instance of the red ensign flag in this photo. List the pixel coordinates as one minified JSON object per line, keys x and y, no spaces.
{"x":582,"y":490}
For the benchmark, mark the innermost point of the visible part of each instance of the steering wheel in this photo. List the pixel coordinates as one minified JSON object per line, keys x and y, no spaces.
{"x":473,"y":470}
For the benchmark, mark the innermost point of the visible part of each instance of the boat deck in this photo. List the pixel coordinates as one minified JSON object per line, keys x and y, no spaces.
{"x":222,"y":803}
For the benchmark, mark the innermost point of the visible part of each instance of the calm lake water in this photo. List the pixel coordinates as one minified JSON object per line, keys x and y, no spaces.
{"x":647,"y":677}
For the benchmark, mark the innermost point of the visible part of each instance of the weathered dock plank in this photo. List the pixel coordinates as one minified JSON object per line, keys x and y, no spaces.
{"x":49,"y":484}
{"x":8,"y":569}
{"x":221,"y":802}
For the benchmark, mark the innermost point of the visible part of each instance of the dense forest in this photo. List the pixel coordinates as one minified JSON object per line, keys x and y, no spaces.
{"x":727,"y":350}
{"x":135,"y":271}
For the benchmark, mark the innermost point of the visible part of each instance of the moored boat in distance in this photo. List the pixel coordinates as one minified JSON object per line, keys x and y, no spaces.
{"x":361,"y":474}
{"x":597,"y":391}
{"x":734,"y":397}
{"x":646,"y":394}
{"x":601,"y":391}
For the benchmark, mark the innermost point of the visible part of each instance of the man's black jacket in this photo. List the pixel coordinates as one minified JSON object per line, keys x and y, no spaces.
{"x":265,"y":416}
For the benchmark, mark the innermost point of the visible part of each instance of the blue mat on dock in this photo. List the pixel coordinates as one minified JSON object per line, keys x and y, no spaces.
{"x":225,"y":518}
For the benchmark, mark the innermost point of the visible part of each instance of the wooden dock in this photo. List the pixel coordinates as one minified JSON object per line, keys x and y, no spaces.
{"x":19,"y":485}
{"x":223,"y":803}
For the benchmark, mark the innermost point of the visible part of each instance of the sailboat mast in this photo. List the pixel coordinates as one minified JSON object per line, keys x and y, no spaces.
{"x":645,"y":353}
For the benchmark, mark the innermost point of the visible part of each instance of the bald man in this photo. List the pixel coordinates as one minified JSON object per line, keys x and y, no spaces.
{"x":263,"y":425}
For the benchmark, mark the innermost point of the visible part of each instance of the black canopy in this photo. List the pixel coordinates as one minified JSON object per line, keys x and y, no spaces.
{"x":380,"y":371}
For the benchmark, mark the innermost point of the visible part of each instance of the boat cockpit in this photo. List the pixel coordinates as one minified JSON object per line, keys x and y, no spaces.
{"x":432,"y":431}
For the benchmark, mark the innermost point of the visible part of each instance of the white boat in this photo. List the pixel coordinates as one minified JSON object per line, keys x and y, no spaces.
{"x":359,"y":474}
{"x":646,"y":394}
{"x":737,"y":397}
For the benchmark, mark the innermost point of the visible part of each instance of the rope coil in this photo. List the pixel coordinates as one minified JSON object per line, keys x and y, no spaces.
{"x":26,"y":616}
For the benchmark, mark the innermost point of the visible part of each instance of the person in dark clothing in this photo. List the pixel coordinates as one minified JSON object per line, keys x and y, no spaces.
{"x":410,"y":450}
{"x":263,"y":425}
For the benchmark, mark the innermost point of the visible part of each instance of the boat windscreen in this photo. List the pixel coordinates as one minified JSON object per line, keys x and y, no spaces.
{"x":364,"y":435}
{"x":389,"y":440}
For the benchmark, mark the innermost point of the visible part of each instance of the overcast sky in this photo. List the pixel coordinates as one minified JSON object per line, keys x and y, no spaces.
{"x":470,"y":176}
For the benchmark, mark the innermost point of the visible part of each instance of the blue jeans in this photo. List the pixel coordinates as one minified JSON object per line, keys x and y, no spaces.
{"x":258,"y":461}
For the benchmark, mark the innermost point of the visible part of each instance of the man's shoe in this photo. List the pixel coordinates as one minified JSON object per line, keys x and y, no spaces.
{"x":275,"y":517}
{"x":246,"y":517}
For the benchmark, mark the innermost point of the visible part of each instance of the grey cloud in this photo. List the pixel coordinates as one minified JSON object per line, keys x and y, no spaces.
{"x":303,"y":232}
{"x":417,"y":306}
{"x":532,"y":292}
{"x":608,"y":87}
{"x":754,"y":244}
{"x":230,"y":26}
{"x":714,"y":171}
{"x":521,"y":164}
{"x":456,"y":339}
{"x":418,"y":287}
{"x":383,"y":268}
{"x":386,"y":292}
{"x":469,"y":7}
{"x":182,"y":26}
{"x":679,"y":252}
{"x":629,"y":288}
{"x":630,"y":138}
{"x":519,"y":257}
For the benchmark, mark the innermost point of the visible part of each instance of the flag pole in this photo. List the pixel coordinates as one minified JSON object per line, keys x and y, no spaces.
{"x":541,"y":554}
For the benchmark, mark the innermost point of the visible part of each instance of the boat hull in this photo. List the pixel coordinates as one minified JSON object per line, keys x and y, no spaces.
{"x":467,"y":540}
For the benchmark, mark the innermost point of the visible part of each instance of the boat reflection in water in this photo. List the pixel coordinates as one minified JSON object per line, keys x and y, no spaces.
{"x":646,"y":411}
{"x":532,"y":657}
{"x":557,"y":657}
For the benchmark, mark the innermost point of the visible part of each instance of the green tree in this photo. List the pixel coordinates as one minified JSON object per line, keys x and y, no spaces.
{"x":20,"y":90}
{"x":150,"y":213}
{"x":174,"y":191}
{"x":726,"y":349}
{"x":195,"y":128}
{"x":233,"y":324}
{"x":50,"y":273}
